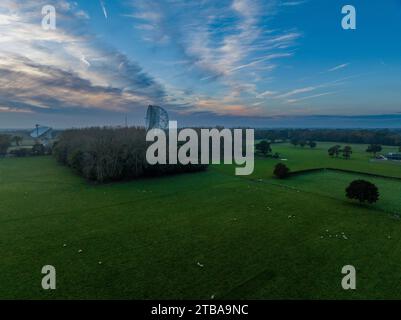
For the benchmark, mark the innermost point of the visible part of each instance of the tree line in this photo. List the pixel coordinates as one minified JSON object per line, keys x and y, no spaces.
{"x":336,"y":150}
{"x":111,"y":154}
{"x":6,"y":141}
{"x":363,"y":136}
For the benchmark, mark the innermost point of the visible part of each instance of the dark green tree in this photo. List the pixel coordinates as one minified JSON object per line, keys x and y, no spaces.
{"x":264,"y":147}
{"x":312,"y":144}
{"x":347,"y":151}
{"x":363,"y":191}
{"x":334,"y":151}
{"x":281,"y":171}
{"x":374,"y":148}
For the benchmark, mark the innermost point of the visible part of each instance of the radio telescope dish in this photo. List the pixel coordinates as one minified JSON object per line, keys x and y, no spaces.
{"x":156,"y":118}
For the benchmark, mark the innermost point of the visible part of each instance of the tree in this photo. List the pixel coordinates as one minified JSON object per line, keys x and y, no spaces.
{"x":5,"y":143}
{"x":312,"y":144}
{"x":281,"y":171}
{"x":17,"y":140}
{"x":347,"y":151}
{"x":374,"y":148}
{"x":334,"y":151}
{"x":363,"y":191}
{"x":264,"y":147}
{"x":302,"y":143}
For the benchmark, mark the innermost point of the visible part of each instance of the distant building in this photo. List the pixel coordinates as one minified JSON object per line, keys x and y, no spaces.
{"x":380,"y":157}
{"x":393,"y":156}
{"x":42,"y":134}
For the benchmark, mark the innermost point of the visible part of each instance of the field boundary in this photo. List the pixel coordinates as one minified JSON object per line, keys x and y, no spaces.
{"x":305,"y":171}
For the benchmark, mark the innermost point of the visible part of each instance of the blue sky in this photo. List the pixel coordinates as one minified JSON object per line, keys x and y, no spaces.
{"x":228,"y":62}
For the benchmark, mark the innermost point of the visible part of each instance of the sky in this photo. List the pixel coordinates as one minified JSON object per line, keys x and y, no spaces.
{"x":260,"y":63}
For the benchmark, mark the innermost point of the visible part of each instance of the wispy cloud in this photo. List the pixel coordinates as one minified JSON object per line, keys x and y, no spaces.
{"x":292,"y":3}
{"x":297,"y":91}
{"x":266,"y":93}
{"x":225,"y":43}
{"x":340,"y":66}
{"x":62,"y":70}
{"x":258,"y":61}
{"x":310,"y":97}
{"x":102,"y":4}
{"x":14,"y":110}
{"x":300,"y":91}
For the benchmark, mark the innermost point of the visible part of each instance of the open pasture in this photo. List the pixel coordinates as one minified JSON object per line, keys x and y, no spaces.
{"x":199,"y":235}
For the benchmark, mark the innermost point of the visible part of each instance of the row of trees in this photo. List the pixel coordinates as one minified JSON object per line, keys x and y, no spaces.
{"x":346,"y":152}
{"x":6,"y":140}
{"x":362,"y":136}
{"x":110,"y":154}
{"x":37,"y":149}
{"x":303,"y":143}
{"x":336,"y":150}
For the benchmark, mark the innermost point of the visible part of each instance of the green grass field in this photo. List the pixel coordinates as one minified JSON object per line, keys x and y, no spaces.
{"x":256,"y":237}
{"x":332,"y":184}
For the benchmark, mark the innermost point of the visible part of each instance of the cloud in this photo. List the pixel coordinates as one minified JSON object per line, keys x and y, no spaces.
{"x":310,"y":97}
{"x":102,"y":4}
{"x":14,"y":110}
{"x":258,"y":61}
{"x":225,"y":108}
{"x":297,"y":91}
{"x":224,"y":43}
{"x":216,"y":38}
{"x":48,"y":89}
{"x":311,"y":88}
{"x":292,"y":3}
{"x":266,"y":93}
{"x":340,"y":66}
{"x":65,"y":70}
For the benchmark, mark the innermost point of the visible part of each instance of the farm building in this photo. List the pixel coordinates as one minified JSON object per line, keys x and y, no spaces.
{"x":43,"y":134}
{"x":394,"y":156}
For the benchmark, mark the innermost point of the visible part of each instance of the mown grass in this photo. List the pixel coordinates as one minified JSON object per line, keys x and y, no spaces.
{"x":255,"y":239}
